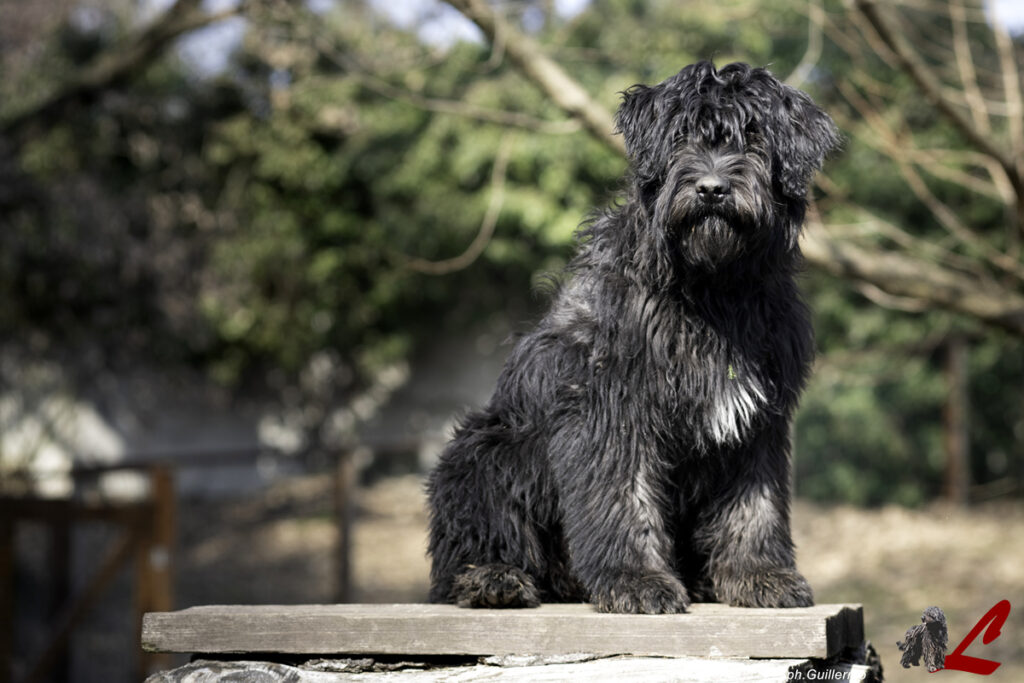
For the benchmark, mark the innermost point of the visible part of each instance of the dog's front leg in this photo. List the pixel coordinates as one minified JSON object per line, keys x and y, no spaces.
{"x":746,"y":531}
{"x":612,"y":503}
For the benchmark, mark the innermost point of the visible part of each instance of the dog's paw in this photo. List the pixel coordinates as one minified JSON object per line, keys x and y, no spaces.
{"x":494,"y":585}
{"x":643,"y":594}
{"x":779,"y":587}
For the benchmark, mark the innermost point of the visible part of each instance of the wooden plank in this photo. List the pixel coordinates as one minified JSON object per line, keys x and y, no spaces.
{"x":708,"y":630}
{"x":845,"y":629}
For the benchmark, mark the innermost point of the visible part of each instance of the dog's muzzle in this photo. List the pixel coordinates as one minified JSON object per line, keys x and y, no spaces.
{"x":712,"y":189}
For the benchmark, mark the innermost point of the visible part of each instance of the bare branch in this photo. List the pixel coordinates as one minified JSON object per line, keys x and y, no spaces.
{"x":992,"y":107}
{"x":908,"y":60}
{"x":1012,"y":91}
{"x":559,"y":86}
{"x":909,"y":278}
{"x":886,"y":141}
{"x":949,"y":220}
{"x":385,"y":89}
{"x":939,"y":8}
{"x":487,"y":225}
{"x":1015,"y":119}
{"x":965,"y":65}
{"x":815,"y":31}
{"x":875,"y":226}
{"x":947,"y":164}
{"x":497,"y":55}
{"x":112,"y":68}
{"x":870,"y":35}
{"x":896,"y":303}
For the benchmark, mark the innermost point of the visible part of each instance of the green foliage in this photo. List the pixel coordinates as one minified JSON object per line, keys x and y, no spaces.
{"x":852,"y":446}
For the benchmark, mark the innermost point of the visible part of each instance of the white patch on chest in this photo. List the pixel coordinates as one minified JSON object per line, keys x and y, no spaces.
{"x":731,"y":410}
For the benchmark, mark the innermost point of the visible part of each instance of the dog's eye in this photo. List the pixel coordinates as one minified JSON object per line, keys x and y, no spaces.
{"x":753,"y":137}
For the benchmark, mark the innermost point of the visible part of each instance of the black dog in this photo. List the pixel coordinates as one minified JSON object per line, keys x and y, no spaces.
{"x":927,"y":639}
{"x":638,"y":439}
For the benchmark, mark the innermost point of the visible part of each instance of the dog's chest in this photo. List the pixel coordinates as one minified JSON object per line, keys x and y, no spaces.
{"x":730,"y":408}
{"x":721,"y":389}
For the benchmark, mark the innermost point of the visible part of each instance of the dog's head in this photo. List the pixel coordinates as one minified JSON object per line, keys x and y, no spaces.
{"x":723,"y":157}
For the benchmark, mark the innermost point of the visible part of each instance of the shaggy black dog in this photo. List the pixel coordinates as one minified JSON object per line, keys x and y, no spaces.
{"x":636,"y":451}
{"x":928,"y":639}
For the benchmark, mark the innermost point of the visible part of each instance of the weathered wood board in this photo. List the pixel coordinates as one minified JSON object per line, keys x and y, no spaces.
{"x":707,"y":630}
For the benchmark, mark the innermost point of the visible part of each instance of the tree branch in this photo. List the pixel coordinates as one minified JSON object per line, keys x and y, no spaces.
{"x":545,"y":73}
{"x":909,"y":278}
{"x":815,"y":33}
{"x":378,"y":85}
{"x":965,"y":65}
{"x":487,"y":225}
{"x":1012,"y":90}
{"x":1015,"y":107}
{"x":908,"y":60}
{"x":118,"y":65}
{"x":888,"y":143}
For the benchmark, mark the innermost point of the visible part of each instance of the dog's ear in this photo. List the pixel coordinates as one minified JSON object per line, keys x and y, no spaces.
{"x":638,"y":121}
{"x":801,"y":136}
{"x":647,"y":119}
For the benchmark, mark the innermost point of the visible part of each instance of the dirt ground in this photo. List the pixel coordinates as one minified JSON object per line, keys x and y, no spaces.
{"x":894,"y":561}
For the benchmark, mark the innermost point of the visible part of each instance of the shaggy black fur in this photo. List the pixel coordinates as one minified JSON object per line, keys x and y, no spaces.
{"x":927,"y":639}
{"x":638,"y":439}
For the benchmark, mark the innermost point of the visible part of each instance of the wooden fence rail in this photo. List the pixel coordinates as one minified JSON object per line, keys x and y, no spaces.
{"x":146,"y":533}
{"x":147,"y":539}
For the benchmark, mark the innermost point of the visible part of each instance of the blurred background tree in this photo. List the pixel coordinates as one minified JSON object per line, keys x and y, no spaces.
{"x":363,"y":177}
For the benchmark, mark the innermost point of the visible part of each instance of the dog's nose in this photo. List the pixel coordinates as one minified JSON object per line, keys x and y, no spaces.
{"x":712,"y":188}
